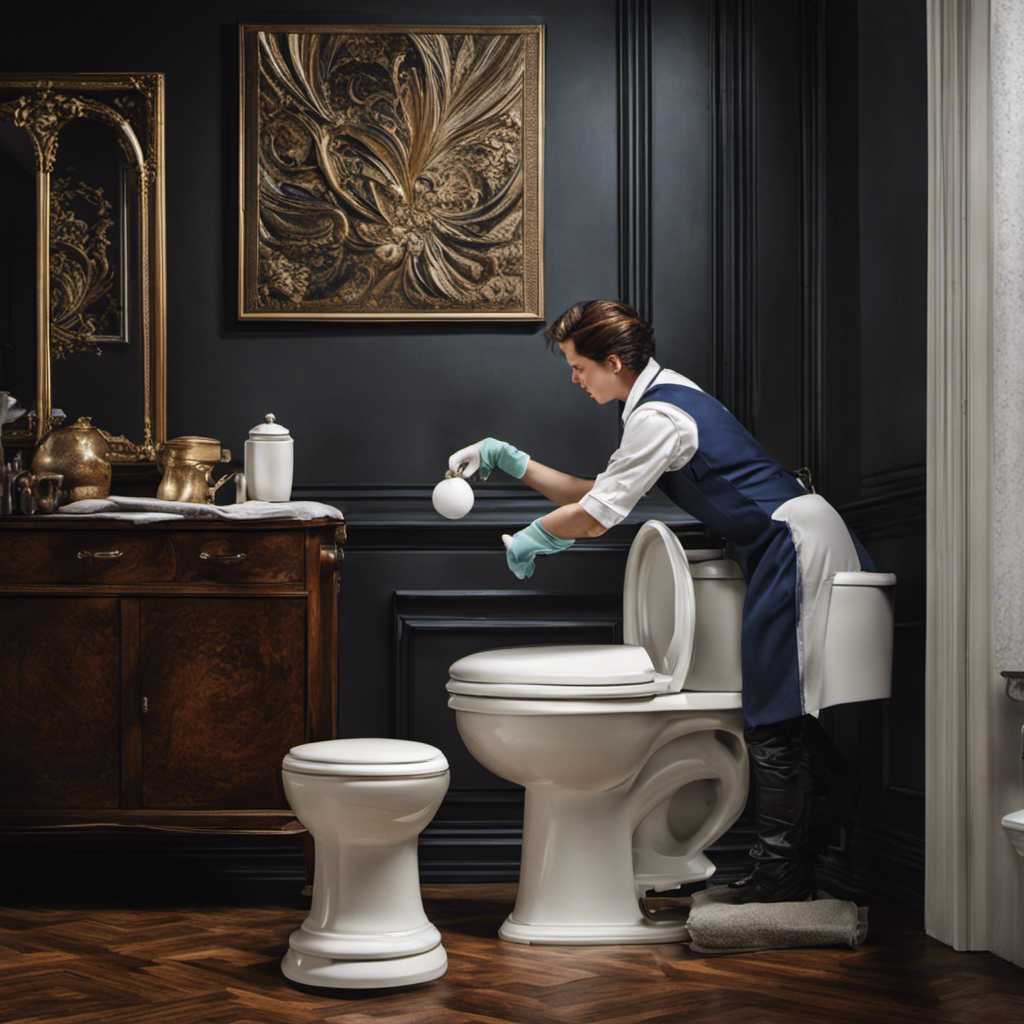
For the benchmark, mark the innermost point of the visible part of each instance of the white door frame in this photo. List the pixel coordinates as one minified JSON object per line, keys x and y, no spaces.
{"x":959,"y":661}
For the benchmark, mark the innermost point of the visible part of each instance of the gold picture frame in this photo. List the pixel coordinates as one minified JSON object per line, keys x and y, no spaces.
{"x":391,"y":172}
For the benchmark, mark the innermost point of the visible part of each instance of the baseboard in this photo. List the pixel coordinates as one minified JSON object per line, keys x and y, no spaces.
{"x":144,"y":868}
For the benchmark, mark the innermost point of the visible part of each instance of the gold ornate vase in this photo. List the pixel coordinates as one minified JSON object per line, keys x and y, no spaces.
{"x":79,"y":453}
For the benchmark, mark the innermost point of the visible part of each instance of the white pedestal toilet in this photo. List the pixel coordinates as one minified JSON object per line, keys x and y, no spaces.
{"x":365,"y":802}
{"x":632,"y":755}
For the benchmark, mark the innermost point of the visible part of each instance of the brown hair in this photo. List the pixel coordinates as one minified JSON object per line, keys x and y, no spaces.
{"x":600,"y":328}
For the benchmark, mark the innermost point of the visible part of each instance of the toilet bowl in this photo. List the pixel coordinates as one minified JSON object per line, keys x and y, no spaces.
{"x":632,"y":755}
{"x":365,"y":802}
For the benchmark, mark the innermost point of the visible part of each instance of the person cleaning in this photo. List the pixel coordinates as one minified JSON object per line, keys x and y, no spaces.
{"x":788,"y":540}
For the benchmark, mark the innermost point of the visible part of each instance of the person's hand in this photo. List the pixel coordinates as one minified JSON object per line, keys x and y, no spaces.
{"x":522,"y":548}
{"x":483,"y":456}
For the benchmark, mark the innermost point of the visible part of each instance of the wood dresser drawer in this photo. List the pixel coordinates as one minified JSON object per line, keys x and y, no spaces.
{"x":220,"y":557}
{"x":86,"y":557}
{"x":192,"y":557}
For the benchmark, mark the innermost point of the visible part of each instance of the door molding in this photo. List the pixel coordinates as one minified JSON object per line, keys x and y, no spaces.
{"x":959,"y":663}
{"x":636,"y":156}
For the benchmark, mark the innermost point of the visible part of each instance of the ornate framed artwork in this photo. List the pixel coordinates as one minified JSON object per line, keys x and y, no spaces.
{"x":391,"y":172}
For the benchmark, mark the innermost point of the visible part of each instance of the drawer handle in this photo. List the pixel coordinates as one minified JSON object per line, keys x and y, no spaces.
{"x":231,"y":559}
{"x":100,"y":554}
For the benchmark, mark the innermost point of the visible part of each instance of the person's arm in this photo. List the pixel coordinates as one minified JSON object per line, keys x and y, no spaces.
{"x":572,"y":521}
{"x":554,"y":532}
{"x":650,"y":442}
{"x":561,"y":488}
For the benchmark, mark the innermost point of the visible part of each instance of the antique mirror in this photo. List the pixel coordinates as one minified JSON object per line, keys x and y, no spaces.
{"x":83,"y":303}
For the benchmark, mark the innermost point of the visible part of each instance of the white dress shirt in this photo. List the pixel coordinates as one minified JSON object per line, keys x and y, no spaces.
{"x":656,"y":438}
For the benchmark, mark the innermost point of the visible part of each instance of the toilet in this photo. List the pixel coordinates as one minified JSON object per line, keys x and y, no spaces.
{"x":365,"y":802}
{"x":632,"y":755}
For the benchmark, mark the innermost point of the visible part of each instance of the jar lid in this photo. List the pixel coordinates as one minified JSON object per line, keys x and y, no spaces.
{"x":270,"y":430}
{"x":202,"y":449}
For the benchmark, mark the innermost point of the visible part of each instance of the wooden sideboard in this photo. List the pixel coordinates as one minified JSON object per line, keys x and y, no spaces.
{"x":155,"y":675}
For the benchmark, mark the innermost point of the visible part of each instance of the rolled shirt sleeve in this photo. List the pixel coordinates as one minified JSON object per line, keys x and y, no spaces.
{"x":656,"y":438}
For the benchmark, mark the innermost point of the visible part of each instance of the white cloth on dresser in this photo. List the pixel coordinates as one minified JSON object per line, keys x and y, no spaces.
{"x":156,"y":510}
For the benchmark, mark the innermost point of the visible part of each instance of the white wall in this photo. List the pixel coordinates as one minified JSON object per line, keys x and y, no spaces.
{"x":1006,"y":869}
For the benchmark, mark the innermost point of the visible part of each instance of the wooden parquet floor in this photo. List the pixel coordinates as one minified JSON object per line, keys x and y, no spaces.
{"x":206,"y":964}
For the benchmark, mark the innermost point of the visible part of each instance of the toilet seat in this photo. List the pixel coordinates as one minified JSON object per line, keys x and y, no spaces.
{"x":558,"y":672}
{"x":369,"y":758}
{"x":659,"y":627}
{"x":687,"y":700}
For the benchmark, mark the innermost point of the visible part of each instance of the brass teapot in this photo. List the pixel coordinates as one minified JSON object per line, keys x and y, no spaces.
{"x":79,"y":453}
{"x":186,"y":463}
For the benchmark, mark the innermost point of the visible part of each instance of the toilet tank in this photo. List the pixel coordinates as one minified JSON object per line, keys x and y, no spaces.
{"x":718,"y":590}
{"x":857,"y":658}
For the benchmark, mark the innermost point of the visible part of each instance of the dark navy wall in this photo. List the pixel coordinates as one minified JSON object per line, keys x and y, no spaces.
{"x":874,"y":389}
{"x":765,"y":201}
{"x":374,"y":404}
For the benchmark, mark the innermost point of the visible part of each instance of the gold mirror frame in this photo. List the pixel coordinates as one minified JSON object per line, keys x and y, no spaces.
{"x":42,"y":105}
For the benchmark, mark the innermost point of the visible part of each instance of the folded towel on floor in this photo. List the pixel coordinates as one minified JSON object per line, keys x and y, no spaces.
{"x":155,"y":510}
{"x":717,"y":924}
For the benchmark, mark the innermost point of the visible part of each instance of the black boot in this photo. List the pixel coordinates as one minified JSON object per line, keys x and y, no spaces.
{"x":782,"y":869}
{"x":834,"y":787}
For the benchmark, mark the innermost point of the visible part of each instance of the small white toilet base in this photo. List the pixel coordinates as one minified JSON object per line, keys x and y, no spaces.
{"x":321,"y":972}
{"x":365,"y":803}
{"x":642,"y":931}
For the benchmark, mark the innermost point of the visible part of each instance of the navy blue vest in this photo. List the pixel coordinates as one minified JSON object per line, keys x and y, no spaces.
{"x":731,"y":484}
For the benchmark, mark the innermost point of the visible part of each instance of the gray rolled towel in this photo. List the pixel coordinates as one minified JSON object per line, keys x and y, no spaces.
{"x":717,"y":924}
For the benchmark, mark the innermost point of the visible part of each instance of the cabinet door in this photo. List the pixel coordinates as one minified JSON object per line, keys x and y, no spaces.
{"x":223,"y":681}
{"x":60,"y":686}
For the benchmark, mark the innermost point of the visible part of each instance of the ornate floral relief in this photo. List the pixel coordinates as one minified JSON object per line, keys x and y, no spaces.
{"x":82,"y":300}
{"x":43,"y":115}
{"x":391,"y":172}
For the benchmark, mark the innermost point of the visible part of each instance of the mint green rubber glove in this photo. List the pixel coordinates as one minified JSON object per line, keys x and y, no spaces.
{"x":483,"y":456}
{"x":526,"y":545}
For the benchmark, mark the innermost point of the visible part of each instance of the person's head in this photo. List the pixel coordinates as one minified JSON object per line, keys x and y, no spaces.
{"x":606,"y":344}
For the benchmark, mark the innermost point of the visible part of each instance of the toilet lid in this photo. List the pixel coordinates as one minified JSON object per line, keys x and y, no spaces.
{"x":366,"y":758}
{"x":658,"y":605}
{"x":558,"y":672}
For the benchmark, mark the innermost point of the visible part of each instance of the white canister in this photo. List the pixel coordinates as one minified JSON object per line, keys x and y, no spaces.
{"x":269,"y":461}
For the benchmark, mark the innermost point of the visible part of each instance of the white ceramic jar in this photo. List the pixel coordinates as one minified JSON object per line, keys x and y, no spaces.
{"x":269,"y":461}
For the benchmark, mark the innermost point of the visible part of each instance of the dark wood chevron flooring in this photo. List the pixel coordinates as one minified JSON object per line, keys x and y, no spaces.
{"x":208,"y":964}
